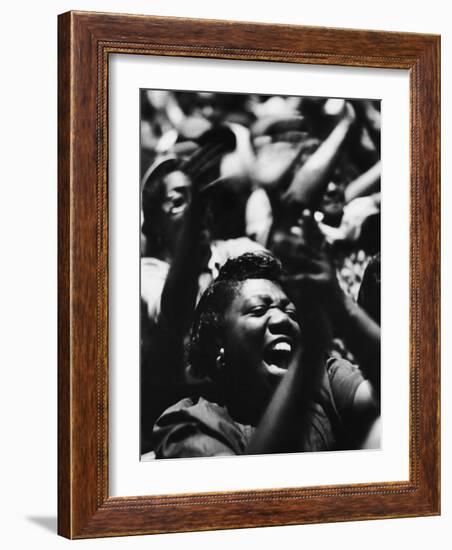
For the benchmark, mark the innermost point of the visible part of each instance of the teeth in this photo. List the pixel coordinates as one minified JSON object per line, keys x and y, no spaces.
{"x":282,"y":346}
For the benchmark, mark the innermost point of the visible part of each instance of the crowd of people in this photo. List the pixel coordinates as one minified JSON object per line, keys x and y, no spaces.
{"x":260,"y":274}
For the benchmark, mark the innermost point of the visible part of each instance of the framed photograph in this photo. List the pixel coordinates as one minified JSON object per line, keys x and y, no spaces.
{"x":248,"y":281}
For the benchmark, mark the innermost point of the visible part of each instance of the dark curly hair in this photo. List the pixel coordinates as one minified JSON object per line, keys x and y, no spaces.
{"x":209,"y":315}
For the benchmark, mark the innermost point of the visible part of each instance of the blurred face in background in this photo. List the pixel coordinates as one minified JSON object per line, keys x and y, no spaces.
{"x":332,"y":204}
{"x":176,"y":199}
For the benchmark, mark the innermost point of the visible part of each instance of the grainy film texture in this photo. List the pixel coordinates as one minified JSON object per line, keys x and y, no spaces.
{"x":260,"y":274}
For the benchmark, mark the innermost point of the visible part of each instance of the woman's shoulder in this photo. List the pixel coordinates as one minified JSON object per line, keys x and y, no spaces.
{"x":199,"y":408}
{"x":205,"y":420}
{"x":344,"y":379}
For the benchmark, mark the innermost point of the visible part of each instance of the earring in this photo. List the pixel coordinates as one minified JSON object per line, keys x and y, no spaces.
{"x":220,"y":361}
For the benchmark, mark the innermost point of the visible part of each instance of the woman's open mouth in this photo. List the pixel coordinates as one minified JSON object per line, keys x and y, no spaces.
{"x":278,"y":355}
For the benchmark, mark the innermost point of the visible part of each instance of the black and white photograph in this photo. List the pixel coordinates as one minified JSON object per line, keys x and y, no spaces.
{"x":260,"y":274}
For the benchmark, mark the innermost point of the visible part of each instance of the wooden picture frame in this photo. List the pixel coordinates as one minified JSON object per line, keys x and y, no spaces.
{"x":85,"y":42}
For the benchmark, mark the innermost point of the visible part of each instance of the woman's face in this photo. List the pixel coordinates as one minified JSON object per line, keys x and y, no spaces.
{"x":176,"y":198}
{"x":332,"y":203}
{"x":261,"y":336}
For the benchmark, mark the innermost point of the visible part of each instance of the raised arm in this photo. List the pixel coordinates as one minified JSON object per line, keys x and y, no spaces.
{"x":360,"y":332}
{"x":310,"y":180}
{"x":365,"y":184}
{"x":370,"y":118}
{"x":284,"y":425}
{"x":284,"y":422}
{"x":362,"y":335}
{"x":181,"y":286}
{"x":273,"y":162}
